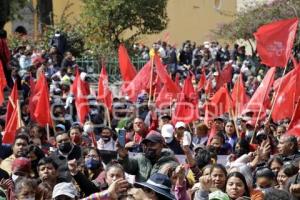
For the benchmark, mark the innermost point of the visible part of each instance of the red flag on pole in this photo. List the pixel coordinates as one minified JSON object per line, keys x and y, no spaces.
{"x":42,"y":112}
{"x":224,"y":76}
{"x":239,"y":96}
{"x":12,"y":125}
{"x":127,"y":70}
{"x":3,"y":83}
{"x":12,"y":102}
{"x":294,"y":126}
{"x":219,"y":104}
{"x":187,"y":107}
{"x":165,"y":98}
{"x":140,"y":82}
{"x":260,"y":99}
{"x":274,"y":41}
{"x":288,"y":93}
{"x":104,"y":93}
{"x":202,"y":80}
{"x":164,"y":76}
{"x":81,"y":90}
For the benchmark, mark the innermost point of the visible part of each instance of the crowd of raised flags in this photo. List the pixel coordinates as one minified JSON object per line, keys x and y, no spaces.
{"x":84,"y":135}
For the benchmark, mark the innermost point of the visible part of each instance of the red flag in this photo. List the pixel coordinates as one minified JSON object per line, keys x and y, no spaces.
{"x":12,"y":102}
{"x":212,"y":133}
{"x":294,"y":126}
{"x":31,"y":97}
{"x":81,"y":90}
{"x":3,"y":83}
{"x":104,"y":93}
{"x":12,"y":125}
{"x":42,"y":112}
{"x":225,"y":76}
{"x":128,"y":71}
{"x":140,"y":82}
{"x":260,"y":98}
{"x":208,"y":88}
{"x":164,"y":76}
{"x":187,"y":107}
{"x":202,"y":80}
{"x":287,"y":94}
{"x":274,"y":42}
{"x":239,"y":96}
{"x":177,"y":81}
{"x":165,"y":98}
{"x":219,"y":104}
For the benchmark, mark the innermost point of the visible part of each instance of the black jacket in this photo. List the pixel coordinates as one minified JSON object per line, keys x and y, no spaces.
{"x":62,"y":163}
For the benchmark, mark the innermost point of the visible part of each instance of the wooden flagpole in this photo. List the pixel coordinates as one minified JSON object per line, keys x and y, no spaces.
{"x":151,"y":79}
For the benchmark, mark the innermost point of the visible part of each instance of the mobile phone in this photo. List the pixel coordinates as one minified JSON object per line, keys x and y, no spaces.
{"x":122,"y":137}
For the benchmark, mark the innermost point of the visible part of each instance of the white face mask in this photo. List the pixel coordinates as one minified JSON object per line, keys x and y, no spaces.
{"x":168,"y":140}
{"x":88,"y":128}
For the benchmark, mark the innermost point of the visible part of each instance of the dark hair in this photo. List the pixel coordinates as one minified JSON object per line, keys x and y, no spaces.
{"x":242,"y":178}
{"x":202,"y":158}
{"x":24,"y":182}
{"x":244,"y":144}
{"x":275,"y":159}
{"x":264,"y":172}
{"x":22,"y":137}
{"x":219,"y":166}
{"x":290,"y":169}
{"x":114,"y":163}
{"x":47,"y":160}
{"x":276,"y":194}
{"x":88,"y":149}
{"x":37,"y":151}
{"x":292,"y":139}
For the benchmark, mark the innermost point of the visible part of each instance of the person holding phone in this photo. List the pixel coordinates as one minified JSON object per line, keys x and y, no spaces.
{"x":153,"y":158}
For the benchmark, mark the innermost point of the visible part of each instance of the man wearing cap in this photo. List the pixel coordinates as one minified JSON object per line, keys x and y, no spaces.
{"x":65,"y":190}
{"x":164,"y":119}
{"x":167,"y":131}
{"x":152,"y":160}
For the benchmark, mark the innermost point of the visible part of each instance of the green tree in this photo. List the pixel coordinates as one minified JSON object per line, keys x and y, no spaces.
{"x":111,"y":22}
{"x":9,"y":10}
{"x":253,"y":16}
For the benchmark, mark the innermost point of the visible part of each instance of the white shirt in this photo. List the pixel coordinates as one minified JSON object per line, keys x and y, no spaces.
{"x":109,"y":146}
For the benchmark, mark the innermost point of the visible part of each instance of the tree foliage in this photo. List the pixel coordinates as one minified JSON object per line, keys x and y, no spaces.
{"x":254,"y":15}
{"x":110,"y":22}
{"x":10,"y":9}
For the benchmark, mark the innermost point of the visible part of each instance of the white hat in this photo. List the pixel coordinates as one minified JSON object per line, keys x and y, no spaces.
{"x":64,"y":188}
{"x":180,"y":124}
{"x":167,"y":130}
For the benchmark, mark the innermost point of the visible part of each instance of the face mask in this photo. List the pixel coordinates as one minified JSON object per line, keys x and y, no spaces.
{"x":168,"y":140}
{"x":88,"y":128}
{"x":105,"y":139}
{"x":65,"y":147}
{"x":92,"y":164}
{"x":76,"y":139}
{"x":150,"y":154}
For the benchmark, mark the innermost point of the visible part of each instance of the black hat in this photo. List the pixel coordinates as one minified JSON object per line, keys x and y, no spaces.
{"x":159,"y":183}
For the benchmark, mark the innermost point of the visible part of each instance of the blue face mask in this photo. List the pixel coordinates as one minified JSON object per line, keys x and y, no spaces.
{"x":92,"y":164}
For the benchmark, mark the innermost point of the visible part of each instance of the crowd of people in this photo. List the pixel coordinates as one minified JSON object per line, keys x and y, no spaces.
{"x":138,"y":152}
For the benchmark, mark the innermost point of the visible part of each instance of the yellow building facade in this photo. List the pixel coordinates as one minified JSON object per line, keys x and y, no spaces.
{"x":188,"y":19}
